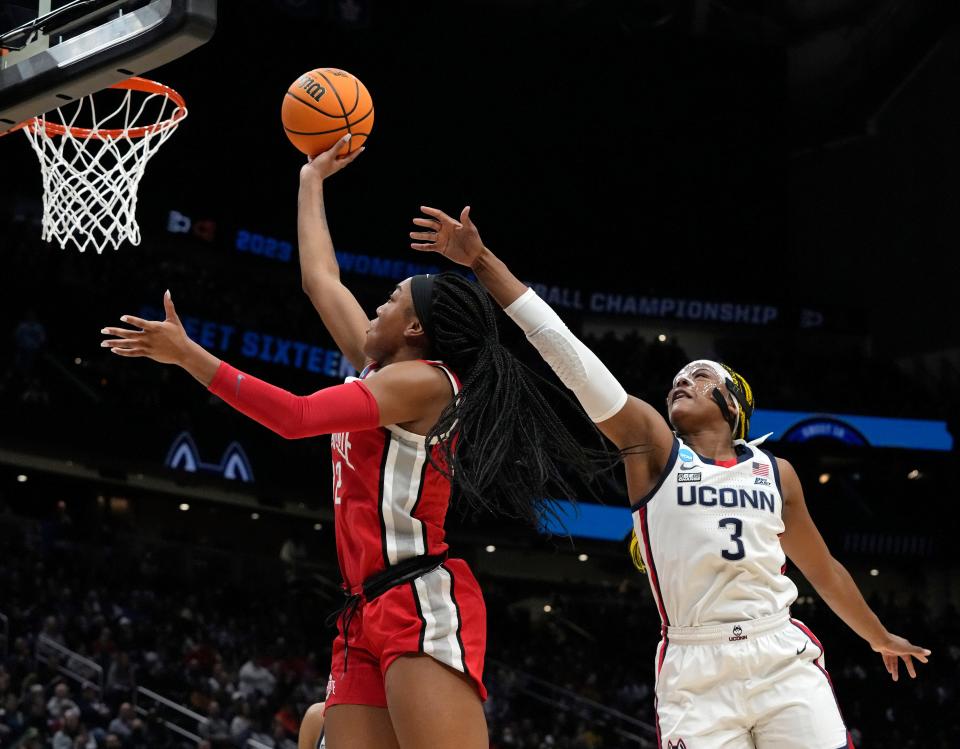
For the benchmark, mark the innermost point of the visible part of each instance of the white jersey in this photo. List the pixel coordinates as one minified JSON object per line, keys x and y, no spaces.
{"x":709,"y":536}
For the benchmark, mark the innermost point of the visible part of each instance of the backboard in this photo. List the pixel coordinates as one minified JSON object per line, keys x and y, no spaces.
{"x":67,"y":49}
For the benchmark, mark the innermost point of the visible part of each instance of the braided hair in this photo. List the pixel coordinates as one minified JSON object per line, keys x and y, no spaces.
{"x":635,"y":556}
{"x":498,"y":438}
{"x":742,"y":429}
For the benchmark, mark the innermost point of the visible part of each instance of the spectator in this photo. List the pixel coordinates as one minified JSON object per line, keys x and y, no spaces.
{"x":120,"y":675}
{"x":12,"y":721}
{"x":215,"y":729}
{"x":255,"y":679}
{"x":94,"y":712}
{"x":220,"y":682}
{"x":241,"y":725}
{"x":126,"y":722}
{"x":72,"y":734}
{"x":105,"y":645}
{"x":60,"y":702}
{"x":51,"y":630}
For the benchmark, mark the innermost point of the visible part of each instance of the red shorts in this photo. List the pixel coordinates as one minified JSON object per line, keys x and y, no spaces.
{"x":440,"y":614}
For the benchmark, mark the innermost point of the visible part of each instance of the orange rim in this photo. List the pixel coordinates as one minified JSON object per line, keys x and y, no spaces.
{"x":132,"y":84}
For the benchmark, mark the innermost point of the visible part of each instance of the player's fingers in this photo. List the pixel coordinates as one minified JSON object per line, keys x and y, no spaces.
{"x":139,"y":322}
{"x":342,"y":161}
{"x":889,"y":663}
{"x":122,"y":332}
{"x":168,"y":306}
{"x":338,"y":146}
{"x":118,"y":343}
{"x":438,"y":214}
{"x":428,"y":223}
{"x":128,"y":351}
{"x":465,"y":216}
{"x":425,"y":236}
{"x":431,"y":247}
{"x":911,"y":669}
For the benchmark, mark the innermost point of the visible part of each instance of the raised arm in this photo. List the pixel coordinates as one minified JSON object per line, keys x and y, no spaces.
{"x":630,"y":423}
{"x":397,"y":394}
{"x":338,"y":307}
{"x":803,"y":544}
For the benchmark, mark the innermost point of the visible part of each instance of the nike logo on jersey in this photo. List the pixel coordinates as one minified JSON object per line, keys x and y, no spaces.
{"x":803,"y":648}
{"x":711,"y":496}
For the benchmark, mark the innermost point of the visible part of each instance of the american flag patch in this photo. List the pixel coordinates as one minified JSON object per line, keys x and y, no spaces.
{"x":761,"y":469}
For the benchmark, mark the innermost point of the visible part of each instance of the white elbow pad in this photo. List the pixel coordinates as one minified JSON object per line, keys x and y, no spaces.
{"x":577,"y":366}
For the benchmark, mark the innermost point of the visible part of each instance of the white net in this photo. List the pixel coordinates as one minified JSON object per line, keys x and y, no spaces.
{"x":92,"y":165}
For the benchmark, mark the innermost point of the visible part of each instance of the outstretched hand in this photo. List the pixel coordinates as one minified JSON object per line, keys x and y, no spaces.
{"x":458,"y":241}
{"x":328,"y":163}
{"x":893,"y":649}
{"x":165,"y":342}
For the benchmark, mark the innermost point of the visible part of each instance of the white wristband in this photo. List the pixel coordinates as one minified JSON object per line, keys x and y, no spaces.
{"x":577,"y":366}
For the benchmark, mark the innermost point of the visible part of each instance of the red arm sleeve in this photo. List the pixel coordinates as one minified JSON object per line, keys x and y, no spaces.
{"x":342,"y":408}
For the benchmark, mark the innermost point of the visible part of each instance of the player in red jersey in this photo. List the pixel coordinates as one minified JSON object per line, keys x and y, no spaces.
{"x":408,"y":660}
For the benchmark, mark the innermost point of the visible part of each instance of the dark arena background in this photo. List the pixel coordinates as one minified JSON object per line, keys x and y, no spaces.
{"x":774,"y":185}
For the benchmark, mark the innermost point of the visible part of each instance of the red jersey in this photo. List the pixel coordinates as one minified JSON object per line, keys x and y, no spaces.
{"x":389,"y":502}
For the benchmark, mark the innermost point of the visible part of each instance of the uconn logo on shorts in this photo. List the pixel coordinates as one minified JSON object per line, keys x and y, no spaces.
{"x":738,"y":634}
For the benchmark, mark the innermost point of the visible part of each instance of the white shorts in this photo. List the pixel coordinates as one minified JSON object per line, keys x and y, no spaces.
{"x":759,"y":684}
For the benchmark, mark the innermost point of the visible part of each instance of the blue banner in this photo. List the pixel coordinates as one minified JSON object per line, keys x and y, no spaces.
{"x":604,"y":522}
{"x":253,"y":344}
{"x":873,"y":431}
{"x":605,"y":303}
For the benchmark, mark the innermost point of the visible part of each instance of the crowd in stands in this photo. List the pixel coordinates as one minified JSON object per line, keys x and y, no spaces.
{"x":249,"y":655}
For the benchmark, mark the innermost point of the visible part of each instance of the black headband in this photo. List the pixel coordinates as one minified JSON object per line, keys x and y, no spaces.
{"x":746,"y":410}
{"x":421,"y":289}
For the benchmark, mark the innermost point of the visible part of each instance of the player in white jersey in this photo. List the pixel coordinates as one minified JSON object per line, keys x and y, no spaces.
{"x":311,"y":728}
{"x":716,"y":517}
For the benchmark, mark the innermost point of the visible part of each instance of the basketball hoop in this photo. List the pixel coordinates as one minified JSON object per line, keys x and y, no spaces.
{"x":91,"y":174}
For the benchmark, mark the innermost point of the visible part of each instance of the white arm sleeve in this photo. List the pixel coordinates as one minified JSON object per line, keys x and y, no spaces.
{"x":577,"y":366}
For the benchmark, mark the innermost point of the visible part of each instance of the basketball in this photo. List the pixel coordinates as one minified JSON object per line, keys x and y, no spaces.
{"x":322,"y":106}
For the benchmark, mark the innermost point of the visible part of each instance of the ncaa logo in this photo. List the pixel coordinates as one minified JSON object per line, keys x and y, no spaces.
{"x":687,"y":459}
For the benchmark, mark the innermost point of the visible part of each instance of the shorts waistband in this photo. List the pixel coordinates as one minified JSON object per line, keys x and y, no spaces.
{"x":400,"y":573}
{"x":731,"y":632}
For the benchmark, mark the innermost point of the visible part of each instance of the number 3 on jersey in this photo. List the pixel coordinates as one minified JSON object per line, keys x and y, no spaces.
{"x":735,"y":537}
